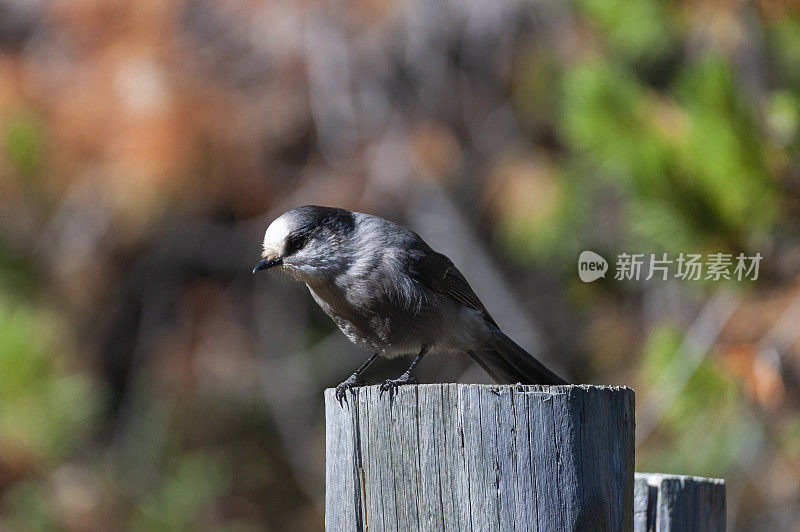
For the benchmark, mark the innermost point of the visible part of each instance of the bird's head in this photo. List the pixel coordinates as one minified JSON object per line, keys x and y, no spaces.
{"x":306,"y":242}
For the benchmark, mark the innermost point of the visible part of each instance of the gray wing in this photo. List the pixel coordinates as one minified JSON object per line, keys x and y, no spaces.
{"x":437,"y":272}
{"x":504,"y":360}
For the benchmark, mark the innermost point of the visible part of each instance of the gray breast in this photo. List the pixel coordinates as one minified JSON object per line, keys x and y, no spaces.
{"x":354,"y":321}
{"x":374,"y":319}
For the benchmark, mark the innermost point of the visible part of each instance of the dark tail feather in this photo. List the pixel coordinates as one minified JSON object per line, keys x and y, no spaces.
{"x":507,"y":363}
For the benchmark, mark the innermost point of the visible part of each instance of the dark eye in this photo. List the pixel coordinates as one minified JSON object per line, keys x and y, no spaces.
{"x":295,"y":243}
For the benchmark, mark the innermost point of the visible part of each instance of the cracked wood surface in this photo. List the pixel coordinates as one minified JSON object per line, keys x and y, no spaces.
{"x":480,"y":457}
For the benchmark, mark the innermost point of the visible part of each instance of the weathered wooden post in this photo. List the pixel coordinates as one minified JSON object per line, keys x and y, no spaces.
{"x":480,"y":457}
{"x":678,"y":503}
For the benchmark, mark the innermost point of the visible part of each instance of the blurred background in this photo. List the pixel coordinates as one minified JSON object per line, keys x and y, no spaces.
{"x":148,"y":381}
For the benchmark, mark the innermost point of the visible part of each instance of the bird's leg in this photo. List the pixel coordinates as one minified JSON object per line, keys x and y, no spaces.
{"x":352,"y":381}
{"x":391,"y":385}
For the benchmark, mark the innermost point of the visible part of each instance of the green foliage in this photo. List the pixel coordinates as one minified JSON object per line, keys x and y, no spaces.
{"x":26,"y":506}
{"x":659,"y":353}
{"x":789,"y":438}
{"x":692,"y":169}
{"x":23,"y":143}
{"x":706,"y":425}
{"x":178,"y":500}
{"x":16,"y":273}
{"x":692,"y":163}
{"x":722,"y":152}
{"x":634,"y":30}
{"x":783,"y":39}
{"x":552,"y":233}
{"x":606,"y":117}
{"x":44,"y":408}
{"x":534,"y":88}
{"x":783,"y":118}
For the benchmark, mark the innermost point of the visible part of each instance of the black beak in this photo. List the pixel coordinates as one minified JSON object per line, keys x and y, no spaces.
{"x":263,"y":264}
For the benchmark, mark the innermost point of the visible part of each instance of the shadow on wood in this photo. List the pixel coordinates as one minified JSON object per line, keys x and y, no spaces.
{"x":480,"y":457}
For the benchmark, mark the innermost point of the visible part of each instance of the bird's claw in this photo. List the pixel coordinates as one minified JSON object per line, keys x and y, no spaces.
{"x":341,"y":391}
{"x":391,"y":385}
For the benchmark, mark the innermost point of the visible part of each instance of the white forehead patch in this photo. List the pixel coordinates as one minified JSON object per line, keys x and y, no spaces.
{"x":276,"y":234}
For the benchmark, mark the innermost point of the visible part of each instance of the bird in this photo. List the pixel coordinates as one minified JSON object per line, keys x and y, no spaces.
{"x":392,"y":294}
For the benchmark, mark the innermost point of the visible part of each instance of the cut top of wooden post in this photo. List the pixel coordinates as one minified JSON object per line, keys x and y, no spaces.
{"x":480,"y":457}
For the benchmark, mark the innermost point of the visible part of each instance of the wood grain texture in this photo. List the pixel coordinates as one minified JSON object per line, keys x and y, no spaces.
{"x":678,"y":503}
{"x":480,"y":457}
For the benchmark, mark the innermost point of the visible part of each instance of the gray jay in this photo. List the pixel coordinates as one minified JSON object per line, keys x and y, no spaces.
{"x":389,"y":292}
